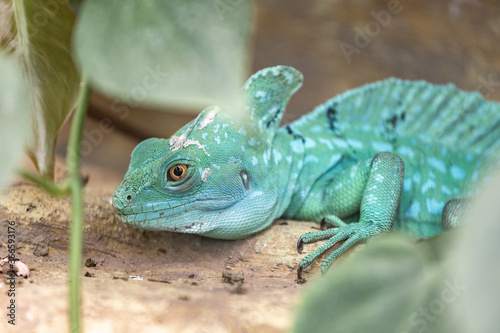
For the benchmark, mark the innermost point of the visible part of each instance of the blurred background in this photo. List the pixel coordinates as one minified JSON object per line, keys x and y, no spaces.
{"x":337,"y":45}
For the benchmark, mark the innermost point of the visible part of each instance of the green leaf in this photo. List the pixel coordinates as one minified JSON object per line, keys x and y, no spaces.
{"x":177,"y":52}
{"x":38,"y":34}
{"x":476,"y":259}
{"x":14,"y":115}
{"x":392,"y":285}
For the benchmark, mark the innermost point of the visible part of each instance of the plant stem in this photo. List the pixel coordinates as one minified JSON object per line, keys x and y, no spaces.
{"x":47,"y":184}
{"x":77,"y":216}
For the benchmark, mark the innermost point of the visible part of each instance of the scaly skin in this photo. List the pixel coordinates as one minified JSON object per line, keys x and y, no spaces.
{"x":388,"y":155}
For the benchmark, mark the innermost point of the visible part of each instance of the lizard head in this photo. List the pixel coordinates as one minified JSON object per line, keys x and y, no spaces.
{"x":212,"y":177}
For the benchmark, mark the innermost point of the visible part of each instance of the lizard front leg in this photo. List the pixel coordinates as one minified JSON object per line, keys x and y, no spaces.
{"x":372,"y":187}
{"x":454,"y":213}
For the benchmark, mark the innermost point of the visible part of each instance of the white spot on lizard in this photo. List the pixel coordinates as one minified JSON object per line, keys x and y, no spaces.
{"x":407,"y":184}
{"x":242,"y":130}
{"x":354,"y":169}
{"x":339,"y":143}
{"x":406,"y":151}
{"x":311,"y":159}
{"x":288,"y":76}
{"x":204,"y":175}
{"x":326,"y":143}
{"x":310,"y":143}
{"x":428,"y":185}
{"x":260,"y":94}
{"x":267,"y":156}
{"x":381,"y":146}
{"x":434,"y":207}
{"x":216,"y":128}
{"x":436,"y":164}
{"x":414,"y":210}
{"x":457,"y":172}
{"x":316,"y":129}
{"x":178,"y":142}
{"x":416,"y":177}
{"x":297,"y":147}
{"x":277,"y":156}
{"x":445,"y":190}
{"x":355,"y":143}
{"x":208,"y":118}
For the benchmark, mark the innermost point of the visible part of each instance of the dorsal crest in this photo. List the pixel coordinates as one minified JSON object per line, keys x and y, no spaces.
{"x":268,"y":92}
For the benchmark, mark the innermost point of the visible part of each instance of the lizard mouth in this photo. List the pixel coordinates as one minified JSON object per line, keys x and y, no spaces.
{"x":151,"y":217}
{"x":168,"y":223}
{"x":185,"y":216}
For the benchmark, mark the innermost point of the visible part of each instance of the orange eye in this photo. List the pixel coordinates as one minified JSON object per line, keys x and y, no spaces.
{"x":177,"y":171}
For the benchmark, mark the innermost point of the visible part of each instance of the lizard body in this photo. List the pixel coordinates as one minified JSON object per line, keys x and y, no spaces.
{"x":392,"y":154}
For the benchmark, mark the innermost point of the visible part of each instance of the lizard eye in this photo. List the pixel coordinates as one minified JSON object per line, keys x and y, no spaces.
{"x":177,"y":172}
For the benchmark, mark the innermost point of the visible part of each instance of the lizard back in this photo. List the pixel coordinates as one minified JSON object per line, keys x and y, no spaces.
{"x":445,"y":137}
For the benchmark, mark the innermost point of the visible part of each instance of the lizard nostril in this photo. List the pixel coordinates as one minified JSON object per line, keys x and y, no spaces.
{"x":129,"y":197}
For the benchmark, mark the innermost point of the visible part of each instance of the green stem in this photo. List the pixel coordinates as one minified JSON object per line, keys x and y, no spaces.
{"x":77,"y":217}
{"x":47,"y":184}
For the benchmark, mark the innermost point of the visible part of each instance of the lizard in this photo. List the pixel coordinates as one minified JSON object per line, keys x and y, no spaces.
{"x":390,"y":155}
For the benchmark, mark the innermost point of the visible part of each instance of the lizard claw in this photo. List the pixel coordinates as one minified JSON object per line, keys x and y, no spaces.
{"x":346,"y":236}
{"x":299,"y":273}
{"x":300,"y":247}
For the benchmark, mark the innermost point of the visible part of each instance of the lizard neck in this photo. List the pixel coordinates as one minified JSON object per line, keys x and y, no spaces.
{"x":286,"y":155}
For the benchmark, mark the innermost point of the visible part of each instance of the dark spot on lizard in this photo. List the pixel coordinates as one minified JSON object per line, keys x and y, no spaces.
{"x":245,"y":179}
{"x":393,"y":120}
{"x":295,"y":135}
{"x":273,"y":119}
{"x":331,"y":114}
{"x":403,"y":116}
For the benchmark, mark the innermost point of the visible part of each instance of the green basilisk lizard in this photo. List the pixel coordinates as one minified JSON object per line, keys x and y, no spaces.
{"x":389,"y":155}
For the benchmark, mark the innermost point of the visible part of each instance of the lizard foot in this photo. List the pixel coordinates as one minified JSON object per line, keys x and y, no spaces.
{"x":350,"y":234}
